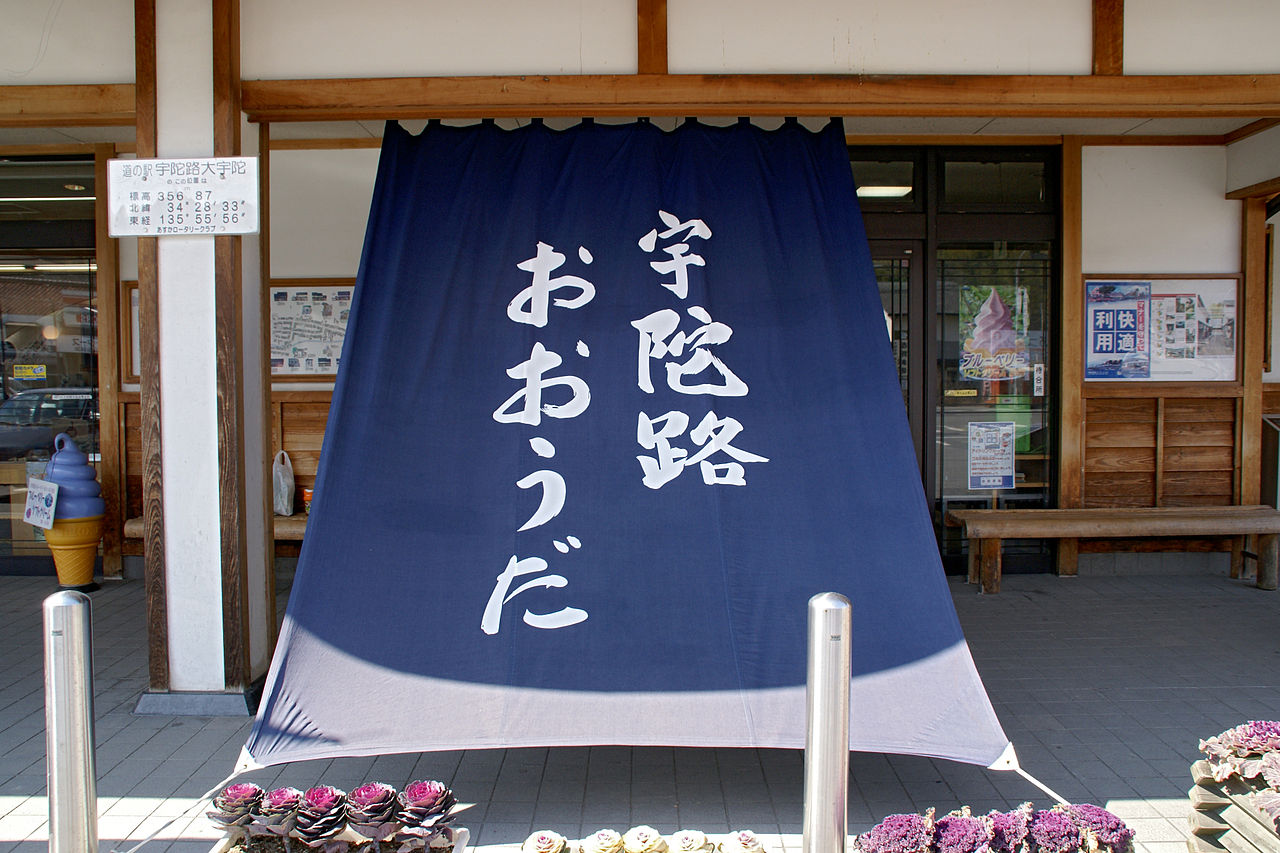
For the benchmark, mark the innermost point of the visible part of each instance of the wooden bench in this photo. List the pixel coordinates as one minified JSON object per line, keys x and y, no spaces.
{"x":985,"y":528}
{"x":287,"y":527}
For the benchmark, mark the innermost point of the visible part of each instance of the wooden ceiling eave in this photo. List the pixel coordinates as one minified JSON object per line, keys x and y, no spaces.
{"x":86,"y":105}
{"x":1041,"y":96}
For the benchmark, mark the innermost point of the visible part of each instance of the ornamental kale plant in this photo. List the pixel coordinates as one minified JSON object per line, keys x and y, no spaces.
{"x":322,"y":816}
{"x":234,"y":808}
{"x":899,"y":833}
{"x":373,"y":811}
{"x":426,"y":809}
{"x":962,"y":833}
{"x":1054,"y":832}
{"x":1248,"y":751}
{"x":1102,"y":828}
{"x":277,"y":813}
{"x":1081,"y":828}
{"x":1009,"y":829}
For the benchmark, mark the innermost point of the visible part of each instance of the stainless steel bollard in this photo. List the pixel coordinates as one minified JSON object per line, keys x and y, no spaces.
{"x":826,"y":749}
{"x":71,"y":768}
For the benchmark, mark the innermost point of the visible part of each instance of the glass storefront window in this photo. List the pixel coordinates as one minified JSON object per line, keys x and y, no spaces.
{"x":994,"y":304}
{"x":48,"y":336}
{"x":988,"y":185}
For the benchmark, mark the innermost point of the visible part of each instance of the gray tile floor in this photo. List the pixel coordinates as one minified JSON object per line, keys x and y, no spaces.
{"x":1105,"y":684}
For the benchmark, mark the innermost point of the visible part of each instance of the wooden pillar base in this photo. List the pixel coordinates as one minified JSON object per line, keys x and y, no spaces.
{"x":1268,"y":561}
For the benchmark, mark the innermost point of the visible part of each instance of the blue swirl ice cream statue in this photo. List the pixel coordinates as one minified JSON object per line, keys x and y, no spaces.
{"x":77,"y":515}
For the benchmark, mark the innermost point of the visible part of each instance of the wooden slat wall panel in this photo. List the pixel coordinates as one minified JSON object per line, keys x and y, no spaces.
{"x":1271,"y":398}
{"x":1198,"y":483}
{"x":1200,"y":410}
{"x":1119,"y":434}
{"x":1152,"y":451}
{"x":1122,"y":459}
{"x":1199,"y":434}
{"x":298,"y":426}
{"x":1199,"y":452}
{"x":1199,"y":458}
{"x":1120,"y":411}
{"x":1120,"y":452}
{"x":302,"y":425}
{"x":132,"y":417}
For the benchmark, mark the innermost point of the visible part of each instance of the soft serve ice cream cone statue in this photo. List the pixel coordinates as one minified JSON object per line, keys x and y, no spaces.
{"x":77,"y":516}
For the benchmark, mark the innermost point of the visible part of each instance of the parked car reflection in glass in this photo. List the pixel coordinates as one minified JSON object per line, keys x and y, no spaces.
{"x":30,"y":420}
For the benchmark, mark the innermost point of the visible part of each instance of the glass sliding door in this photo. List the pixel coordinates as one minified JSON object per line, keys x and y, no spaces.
{"x":994,"y":326}
{"x":48,"y":336}
{"x":964,"y":243}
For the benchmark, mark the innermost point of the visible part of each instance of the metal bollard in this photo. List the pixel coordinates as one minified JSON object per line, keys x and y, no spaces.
{"x":68,"y":722}
{"x":826,"y":750}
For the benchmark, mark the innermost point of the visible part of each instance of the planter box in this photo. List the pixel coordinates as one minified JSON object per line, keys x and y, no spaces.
{"x":1224,"y":818}
{"x":462,"y":835}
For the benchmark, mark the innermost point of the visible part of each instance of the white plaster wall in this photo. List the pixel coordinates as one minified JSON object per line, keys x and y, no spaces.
{"x":319,"y":209}
{"x":1253,"y":159}
{"x":66,"y":41}
{"x":338,"y":38}
{"x":1158,"y":210}
{"x":1198,"y":37}
{"x":877,"y":37}
{"x":189,"y":441}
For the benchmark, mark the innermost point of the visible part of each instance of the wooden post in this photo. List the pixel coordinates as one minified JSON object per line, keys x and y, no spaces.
{"x":1068,"y":557}
{"x":1268,"y":561}
{"x":989,"y":559}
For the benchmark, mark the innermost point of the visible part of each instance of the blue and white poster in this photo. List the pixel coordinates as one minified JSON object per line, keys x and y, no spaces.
{"x":1117,"y":324}
{"x":614,"y":403}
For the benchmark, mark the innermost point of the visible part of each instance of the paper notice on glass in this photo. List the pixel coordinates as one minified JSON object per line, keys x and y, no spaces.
{"x":42,"y":497}
{"x":991,"y":455}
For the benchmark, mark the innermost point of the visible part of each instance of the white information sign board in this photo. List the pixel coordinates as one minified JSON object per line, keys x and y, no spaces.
{"x":991,"y":455}
{"x":185,"y":196}
{"x":42,"y":498}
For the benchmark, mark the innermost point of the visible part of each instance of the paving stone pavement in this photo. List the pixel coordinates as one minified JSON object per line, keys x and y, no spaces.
{"x":1104,"y":683}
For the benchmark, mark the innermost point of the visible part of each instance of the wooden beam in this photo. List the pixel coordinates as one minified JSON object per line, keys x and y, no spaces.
{"x":264,"y":343}
{"x":153,"y":540}
{"x":1070,"y":390}
{"x":322,"y":144}
{"x":1108,"y":37}
{"x":229,"y":371}
{"x":1263,"y":190}
{"x":110,"y":439}
{"x":1250,"y":129}
{"x":1242,"y":95}
{"x":1253,"y":243}
{"x":91,"y":105}
{"x":651,"y":36}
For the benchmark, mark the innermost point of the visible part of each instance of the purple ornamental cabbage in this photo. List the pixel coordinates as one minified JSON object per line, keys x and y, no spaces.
{"x":373,"y":811}
{"x":960,"y":832}
{"x":1244,"y":751}
{"x":899,"y":833}
{"x":1009,"y":829}
{"x":278,"y":812}
{"x":1269,"y":802}
{"x":1107,"y":829}
{"x":1054,"y":832}
{"x":321,"y":816}
{"x":234,"y":808}
{"x":425,"y":810}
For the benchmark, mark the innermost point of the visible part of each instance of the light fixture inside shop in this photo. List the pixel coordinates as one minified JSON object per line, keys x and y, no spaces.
{"x":883,"y":192}
{"x":13,"y":268}
{"x":46,"y":198}
{"x":66,"y":267}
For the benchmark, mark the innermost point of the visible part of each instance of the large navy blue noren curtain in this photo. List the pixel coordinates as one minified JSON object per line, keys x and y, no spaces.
{"x":614,"y":403}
